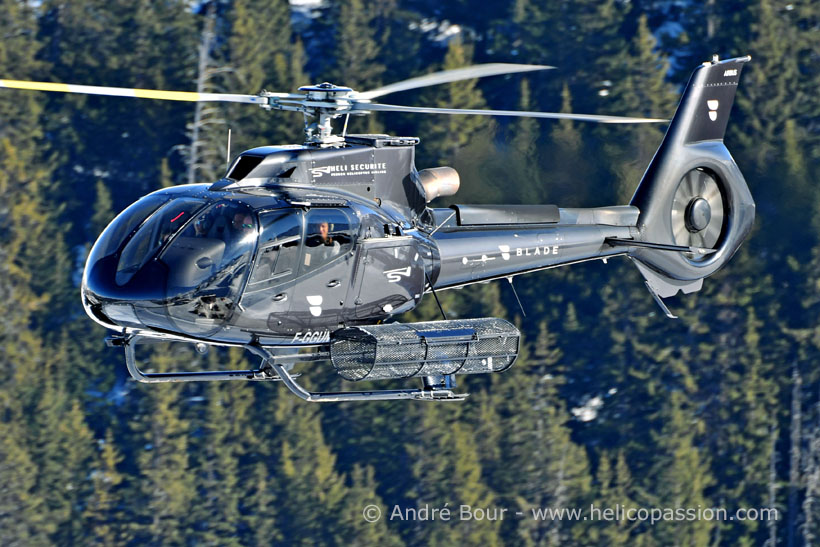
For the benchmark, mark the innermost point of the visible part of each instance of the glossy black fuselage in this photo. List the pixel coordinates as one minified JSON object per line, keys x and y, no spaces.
{"x":297,"y":242}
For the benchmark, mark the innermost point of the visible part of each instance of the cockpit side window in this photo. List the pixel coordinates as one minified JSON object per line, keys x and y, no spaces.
{"x":328,"y":236}
{"x":156,"y":231}
{"x":278,"y":256}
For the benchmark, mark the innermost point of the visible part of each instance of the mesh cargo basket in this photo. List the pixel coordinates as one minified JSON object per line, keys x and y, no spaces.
{"x":404,"y":350}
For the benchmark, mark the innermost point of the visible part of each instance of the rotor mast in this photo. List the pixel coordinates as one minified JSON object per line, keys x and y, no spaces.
{"x":320,"y":105}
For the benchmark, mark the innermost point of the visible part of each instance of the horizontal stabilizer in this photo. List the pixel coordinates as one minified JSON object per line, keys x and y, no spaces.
{"x":614,"y":241}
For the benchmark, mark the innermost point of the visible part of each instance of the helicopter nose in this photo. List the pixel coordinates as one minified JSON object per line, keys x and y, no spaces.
{"x":113,"y":305}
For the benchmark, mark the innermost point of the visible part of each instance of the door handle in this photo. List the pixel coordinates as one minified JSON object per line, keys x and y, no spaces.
{"x":281,"y":297}
{"x":333,"y":283}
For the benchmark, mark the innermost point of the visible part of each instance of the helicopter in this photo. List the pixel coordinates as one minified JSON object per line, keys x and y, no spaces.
{"x":305,"y":252}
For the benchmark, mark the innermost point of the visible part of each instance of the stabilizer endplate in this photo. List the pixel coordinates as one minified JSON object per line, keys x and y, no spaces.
{"x":664,"y":286}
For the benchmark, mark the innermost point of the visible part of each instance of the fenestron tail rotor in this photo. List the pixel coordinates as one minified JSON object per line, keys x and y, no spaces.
{"x":697,"y":210}
{"x":322,"y":103}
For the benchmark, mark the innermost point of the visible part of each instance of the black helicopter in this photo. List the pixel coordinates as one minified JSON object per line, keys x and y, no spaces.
{"x":304,"y":252}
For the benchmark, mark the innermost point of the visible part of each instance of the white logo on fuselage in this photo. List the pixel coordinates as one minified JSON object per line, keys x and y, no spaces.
{"x":535,"y":251}
{"x":319,"y":171}
{"x":394,"y":276}
{"x":349,"y":169}
{"x":315,"y":303}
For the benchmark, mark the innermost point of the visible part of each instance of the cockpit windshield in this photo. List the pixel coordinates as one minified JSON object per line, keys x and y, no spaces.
{"x":125,"y":223}
{"x":217,"y":242}
{"x":154,"y":234}
{"x":177,"y":262}
{"x":207,"y":264}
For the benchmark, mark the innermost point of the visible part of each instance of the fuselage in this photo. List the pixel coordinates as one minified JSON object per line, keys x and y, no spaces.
{"x":297,"y":242}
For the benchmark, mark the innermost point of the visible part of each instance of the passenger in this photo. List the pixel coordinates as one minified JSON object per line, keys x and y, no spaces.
{"x":321,"y":246}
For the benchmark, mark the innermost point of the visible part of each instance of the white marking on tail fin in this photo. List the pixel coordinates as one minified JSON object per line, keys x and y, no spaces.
{"x":713,"y":106}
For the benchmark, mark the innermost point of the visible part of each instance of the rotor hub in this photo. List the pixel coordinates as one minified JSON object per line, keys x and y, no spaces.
{"x":698,"y":214}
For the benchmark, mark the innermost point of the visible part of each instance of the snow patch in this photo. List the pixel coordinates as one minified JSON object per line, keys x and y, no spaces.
{"x":589,"y":410}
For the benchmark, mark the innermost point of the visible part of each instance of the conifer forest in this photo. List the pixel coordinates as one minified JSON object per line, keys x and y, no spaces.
{"x":610,"y":404}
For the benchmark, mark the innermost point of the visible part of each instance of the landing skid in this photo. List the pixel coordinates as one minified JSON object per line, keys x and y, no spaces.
{"x":275,"y":368}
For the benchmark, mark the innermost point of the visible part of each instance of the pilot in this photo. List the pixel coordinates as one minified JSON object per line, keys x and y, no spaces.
{"x":242,"y":223}
{"x":203,"y":224}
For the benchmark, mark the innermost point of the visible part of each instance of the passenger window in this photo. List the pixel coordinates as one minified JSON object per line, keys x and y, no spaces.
{"x":328,"y":236}
{"x":278,"y":254}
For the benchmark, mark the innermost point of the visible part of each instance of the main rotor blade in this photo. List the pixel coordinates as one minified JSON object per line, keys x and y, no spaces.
{"x":518,"y":113}
{"x":455,"y":75}
{"x":138,"y":93}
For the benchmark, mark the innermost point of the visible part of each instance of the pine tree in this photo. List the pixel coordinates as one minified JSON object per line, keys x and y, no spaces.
{"x":355,"y":528}
{"x":147,"y":45}
{"x":218,"y":480}
{"x":203,"y":155}
{"x":312,"y":506}
{"x":767,"y":103}
{"x":103,"y":210}
{"x":357,"y":62}
{"x":24,"y":518}
{"x":103,"y":514}
{"x":447,"y":470}
{"x":443,"y":138}
{"x":639,"y":89}
{"x":222,"y":454}
{"x":77,"y":456}
{"x":612,"y":492}
{"x":541,"y":466}
{"x":262,"y":53}
{"x":525,"y":155}
{"x":570,"y":174}
{"x":165,"y":484}
{"x":680,"y":474}
{"x":259,"y":511}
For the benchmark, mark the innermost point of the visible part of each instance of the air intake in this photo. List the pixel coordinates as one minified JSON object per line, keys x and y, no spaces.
{"x":404,"y":350}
